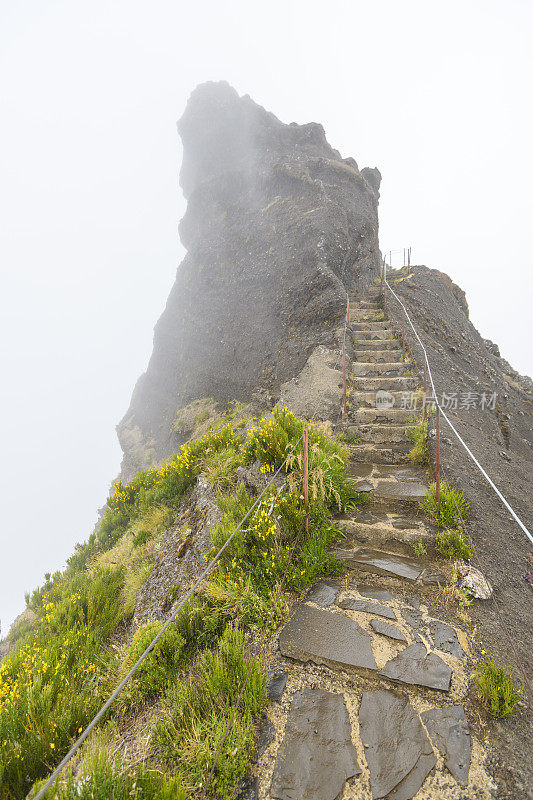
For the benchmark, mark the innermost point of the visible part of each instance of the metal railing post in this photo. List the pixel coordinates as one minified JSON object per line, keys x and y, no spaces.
{"x":344,"y":409}
{"x":425,"y":389}
{"x":437,"y":465}
{"x":306,"y":477}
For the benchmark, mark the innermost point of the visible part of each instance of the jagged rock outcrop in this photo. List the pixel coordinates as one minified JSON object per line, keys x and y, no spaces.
{"x":277,"y":226}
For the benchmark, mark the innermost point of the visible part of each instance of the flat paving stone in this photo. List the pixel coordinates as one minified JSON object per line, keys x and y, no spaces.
{"x":360,"y":470}
{"x":313,"y":634}
{"x":413,"y":618}
{"x":276,"y":681}
{"x":355,"y":604}
{"x":397,"y":749}
{"x":445,"y":639}
{"x":363,"y":486}
{"x":448,"y":729}
{"x":382,"y":563}
{"x":415,"y":666}
{"x":323,"y":593}
{"x":375,"y":594}
{"x":317,"y":755}
{"x":401,"y":524}
{"x":410,"y":490}
{"x":266,"y":736}
{"x":380,"y":626}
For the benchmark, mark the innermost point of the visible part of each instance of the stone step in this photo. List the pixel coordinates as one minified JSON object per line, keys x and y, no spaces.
{"x":384,"y":434}
{"x":372,"y":383}
{"x":380,"y":356}
{"x":388,"y":416}
{"x":381,"y":454}
{"x":375,"y":303}
{"x":368,"y":399}
{"x":389,"y":564}
{"x":371,"y":335}
{"x":380,"y":527}
{"x":380,"y":562}
{"x":377,"y":344}
{"x":368,"y":325}
{"x":385,"y":369}
{"x":367,"y":315}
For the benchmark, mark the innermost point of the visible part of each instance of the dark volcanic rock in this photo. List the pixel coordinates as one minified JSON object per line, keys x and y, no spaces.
{"x":448,"y":728}
{"x":397,"y":749}
{"x":277,"y":226}
{"x":326,"y":638}
{"x":323,"y":593}
{"x":355,"y":604}
{"x":317,"y":754}
{"x":375,"y":594}
{"x":380,"y":626}
{"x":381,"y":563}
{"x":266,"y":735}
{"x":445,"y":639}
{"x":414,"y":665}
{"x":277,"y":680}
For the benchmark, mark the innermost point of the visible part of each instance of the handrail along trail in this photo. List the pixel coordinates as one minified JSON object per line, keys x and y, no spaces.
{"x":208,"y":569}
{"x":458,"y":435}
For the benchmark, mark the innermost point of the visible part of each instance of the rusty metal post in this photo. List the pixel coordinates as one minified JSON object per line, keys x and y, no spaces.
{"x":437,"y":466}
{"x":425,"y":387}
{"x":306,"y":477}
{"x":344,"y":409}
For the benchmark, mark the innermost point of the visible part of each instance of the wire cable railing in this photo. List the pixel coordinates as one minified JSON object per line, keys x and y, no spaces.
{"x":205,"y":573}
{"x":445,"y":416}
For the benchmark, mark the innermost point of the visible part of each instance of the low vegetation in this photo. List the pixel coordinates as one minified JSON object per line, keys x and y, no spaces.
{"x":496,"y":688}
{"x":453,"y":543}
{"x":419,"y":453}
{"x":451,"y":509}
{"x":63,"y":669}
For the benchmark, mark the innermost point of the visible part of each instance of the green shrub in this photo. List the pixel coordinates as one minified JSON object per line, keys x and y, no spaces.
{"x":141,"y":537}
{"x":496,"y":688}
{"x":159,"y":666}
{"x":219,"y":466}
{"x":453,"y":543}
{"x":420,"y":549}
{"x":103,"y":778}
{"x":419,"y":453}
{"x":198,"y":709}
{"x":53,"y":685}
{"x":452,"y":508}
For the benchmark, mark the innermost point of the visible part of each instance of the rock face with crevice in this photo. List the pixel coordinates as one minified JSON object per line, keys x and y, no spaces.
{"x":277,"y":226}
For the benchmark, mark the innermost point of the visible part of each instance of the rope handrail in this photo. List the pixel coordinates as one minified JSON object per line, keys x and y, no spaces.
{"x":208,"y":569}
{"x":458,"y":435}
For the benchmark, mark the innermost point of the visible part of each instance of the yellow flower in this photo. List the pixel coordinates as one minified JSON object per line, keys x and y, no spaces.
{"x":52,"y":745}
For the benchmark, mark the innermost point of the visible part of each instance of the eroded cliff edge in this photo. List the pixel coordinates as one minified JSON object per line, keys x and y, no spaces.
{"x":277,"y":227}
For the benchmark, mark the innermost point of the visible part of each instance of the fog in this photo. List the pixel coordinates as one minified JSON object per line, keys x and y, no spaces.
{"x":436,"y":95}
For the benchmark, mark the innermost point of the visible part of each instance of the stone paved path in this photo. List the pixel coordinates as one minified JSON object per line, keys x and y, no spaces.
{"x":370,"y":675}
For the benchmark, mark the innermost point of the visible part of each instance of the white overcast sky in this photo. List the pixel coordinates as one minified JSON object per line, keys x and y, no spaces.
{"x":437,"y":95}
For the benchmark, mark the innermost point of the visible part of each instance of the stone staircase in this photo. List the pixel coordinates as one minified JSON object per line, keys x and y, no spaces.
{"x":368,"y":682}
